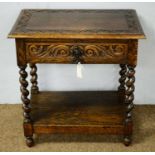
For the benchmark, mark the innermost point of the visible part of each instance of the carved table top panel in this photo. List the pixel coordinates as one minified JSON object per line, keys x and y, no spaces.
{"x":77,"y":24}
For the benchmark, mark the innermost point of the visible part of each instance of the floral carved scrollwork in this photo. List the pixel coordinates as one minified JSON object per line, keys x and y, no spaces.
{"x":48,"y":50}
{"x":52,"y":52}
{"x":104,"y":50}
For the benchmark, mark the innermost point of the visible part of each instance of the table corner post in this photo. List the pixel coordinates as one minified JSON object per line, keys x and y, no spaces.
{"x":129,"y":98}
{"x":27,"y":124}
{"x":22,"y":64}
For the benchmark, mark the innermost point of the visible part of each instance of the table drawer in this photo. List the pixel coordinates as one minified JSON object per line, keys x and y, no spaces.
{"x":89,"y":53}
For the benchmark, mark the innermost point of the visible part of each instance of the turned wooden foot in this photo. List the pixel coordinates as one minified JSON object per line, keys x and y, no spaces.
{"x":29,"y":141}
{"x":127,"y":140}
{"x":28,"y":133}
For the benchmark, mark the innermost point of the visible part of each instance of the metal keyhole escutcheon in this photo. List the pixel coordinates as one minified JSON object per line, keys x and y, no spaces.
{"x":77,"y":54}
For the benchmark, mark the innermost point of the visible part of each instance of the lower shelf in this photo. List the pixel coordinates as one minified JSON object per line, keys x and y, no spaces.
{"x":78,"y":112}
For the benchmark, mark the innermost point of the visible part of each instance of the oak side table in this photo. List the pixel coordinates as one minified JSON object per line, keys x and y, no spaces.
{"x":72,"y":36}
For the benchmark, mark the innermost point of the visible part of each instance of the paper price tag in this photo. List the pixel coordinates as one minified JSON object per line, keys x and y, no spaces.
{"x":79,"y":69}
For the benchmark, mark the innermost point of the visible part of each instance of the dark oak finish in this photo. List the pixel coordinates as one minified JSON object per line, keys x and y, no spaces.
{"x":40,"y":52}
{"x":25,"y":93}
{"x":110,"y":24}
{"x":34,"y":76}
{"x":72,"y":36}
{"x":26,"y":107}
{"x":123,"y":77}
{"x":129,"y":97}
{"x":77,"y":108}
{"x":78,"y":112}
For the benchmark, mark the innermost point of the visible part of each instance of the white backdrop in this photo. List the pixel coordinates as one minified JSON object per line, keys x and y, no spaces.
{"x":63,"y":77}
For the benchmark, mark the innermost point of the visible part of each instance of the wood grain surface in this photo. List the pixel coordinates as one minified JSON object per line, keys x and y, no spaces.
{"x":77,"y":24}
{"x":87,"y":111}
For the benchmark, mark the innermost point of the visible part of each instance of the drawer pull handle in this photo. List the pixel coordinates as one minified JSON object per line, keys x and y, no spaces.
{"x":77,"y":54}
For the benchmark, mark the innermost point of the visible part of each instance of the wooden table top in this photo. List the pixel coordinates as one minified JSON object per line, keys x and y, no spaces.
{"x":35,"y":23}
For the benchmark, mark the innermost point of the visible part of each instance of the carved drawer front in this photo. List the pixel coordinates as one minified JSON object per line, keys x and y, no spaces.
{"x":76,"y":52}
